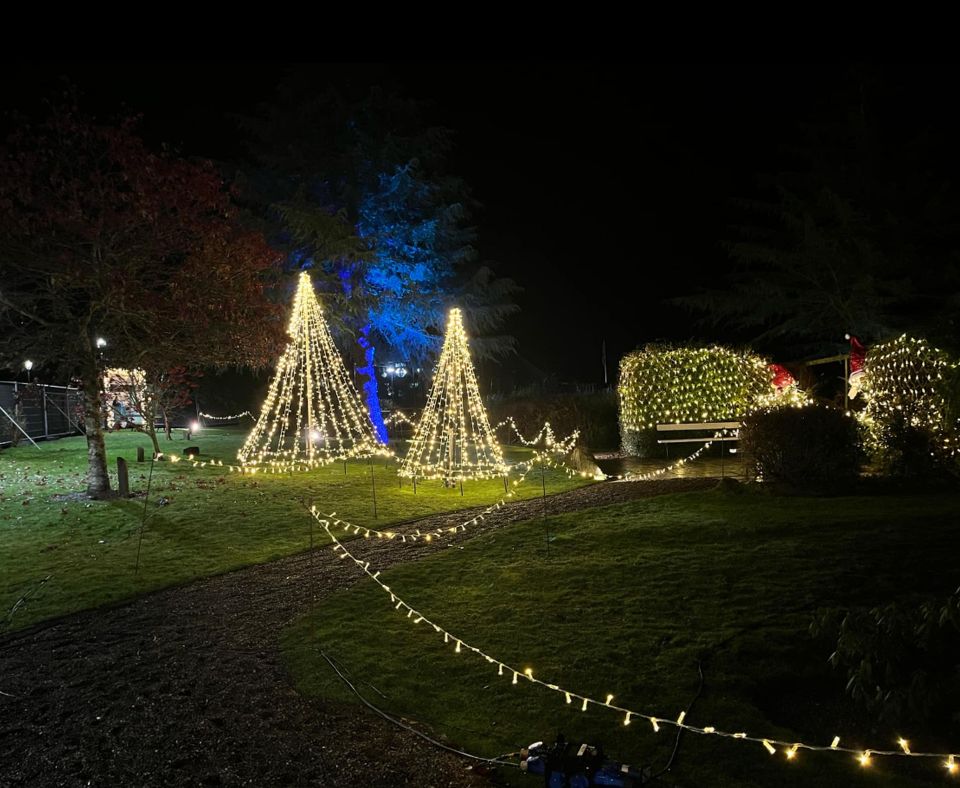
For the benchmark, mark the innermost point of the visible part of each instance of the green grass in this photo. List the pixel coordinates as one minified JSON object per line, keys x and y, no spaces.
{"x":214,"y":521}
{"x":628,"y":600}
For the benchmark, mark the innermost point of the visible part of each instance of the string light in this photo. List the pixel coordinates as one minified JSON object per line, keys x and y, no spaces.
{"x":310,"y":395}
{"x":643,"y":477}
{"x":397,"y":416}
{"x":546,"y":435}
{"x":438,"y":532}
{"x":661,"y":385}
{"x":235,"y":417}
{"x":453,"y":440}
{"x":770,"y":744}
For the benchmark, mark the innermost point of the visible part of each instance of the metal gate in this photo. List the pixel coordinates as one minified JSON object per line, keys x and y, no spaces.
{"x":39,"y":410}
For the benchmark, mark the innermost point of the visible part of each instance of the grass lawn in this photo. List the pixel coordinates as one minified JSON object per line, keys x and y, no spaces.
{"x":628,"y":600}
{"x":212,"y":521}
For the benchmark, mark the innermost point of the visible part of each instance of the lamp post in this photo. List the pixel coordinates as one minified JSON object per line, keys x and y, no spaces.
{"x":392,"y":372}
{"x":104,"y":415}
{"x":28,"y":365}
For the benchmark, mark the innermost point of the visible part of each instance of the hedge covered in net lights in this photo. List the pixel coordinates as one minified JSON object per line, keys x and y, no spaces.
{"x":908,"y":387}
{"x":661,"y":385}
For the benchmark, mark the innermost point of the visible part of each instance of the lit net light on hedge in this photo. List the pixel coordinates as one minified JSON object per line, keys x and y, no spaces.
{"x":662,"y":385}
{"x":453,"y":440}
{"x":906,"y":381}
{"x":312,"y":415}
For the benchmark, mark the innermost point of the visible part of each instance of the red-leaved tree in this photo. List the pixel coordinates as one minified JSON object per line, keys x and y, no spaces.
{"x":102,"y":237}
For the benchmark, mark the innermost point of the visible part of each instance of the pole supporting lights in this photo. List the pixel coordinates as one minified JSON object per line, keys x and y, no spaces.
{"x":28,"y":365}
{"x":311,"y":400}
{"x":453,"y":440}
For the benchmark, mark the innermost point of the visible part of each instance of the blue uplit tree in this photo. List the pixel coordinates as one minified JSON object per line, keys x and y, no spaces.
{"x":364,"y":201}
{"x":417,"y":241}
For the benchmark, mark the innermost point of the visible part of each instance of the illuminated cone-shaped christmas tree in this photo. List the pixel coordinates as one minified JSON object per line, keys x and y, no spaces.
{"x":312,"y":414}
{"x":453,"y":440}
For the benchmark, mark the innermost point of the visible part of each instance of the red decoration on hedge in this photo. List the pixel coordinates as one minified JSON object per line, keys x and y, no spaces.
{"x":781,"y":377}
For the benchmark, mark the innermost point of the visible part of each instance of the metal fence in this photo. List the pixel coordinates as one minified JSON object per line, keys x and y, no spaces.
{"x":38,"y":410}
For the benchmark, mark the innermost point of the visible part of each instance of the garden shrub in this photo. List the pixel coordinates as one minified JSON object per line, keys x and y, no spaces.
{"x":901,"y":661}
{"x":812,"y":448}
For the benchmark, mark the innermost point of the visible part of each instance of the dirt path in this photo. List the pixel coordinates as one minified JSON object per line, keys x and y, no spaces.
{"x":185,"y":686}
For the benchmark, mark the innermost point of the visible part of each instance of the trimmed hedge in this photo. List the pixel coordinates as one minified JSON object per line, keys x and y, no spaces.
{"x":911,"y":415}
{"x":661,"y":385}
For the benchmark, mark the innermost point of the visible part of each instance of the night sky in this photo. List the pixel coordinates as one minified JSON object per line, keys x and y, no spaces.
{"x":624,"y":171}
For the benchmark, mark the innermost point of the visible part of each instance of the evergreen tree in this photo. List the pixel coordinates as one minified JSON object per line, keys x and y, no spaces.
{"x":360,"y":196}
{"x":857,"y":236}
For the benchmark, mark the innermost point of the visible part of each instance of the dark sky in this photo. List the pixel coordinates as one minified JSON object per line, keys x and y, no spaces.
{"x":607,"y":188}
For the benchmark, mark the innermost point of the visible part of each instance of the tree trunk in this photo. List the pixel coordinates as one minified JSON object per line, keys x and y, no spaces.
{"x":151,"y":429}
{"x":98,"y":481}
{"x":152,"y":432}
{"x":371,"y":395}
{"x":166,"y":424}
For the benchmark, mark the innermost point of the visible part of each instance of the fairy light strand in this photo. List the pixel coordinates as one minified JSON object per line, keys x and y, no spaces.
{"x":398,"y":417}
{"x":645,"y":477}
{"x":235,"y":417}
{"x":431,"y":535}
{"x":585,"y":702}
{"x":545,"y":435}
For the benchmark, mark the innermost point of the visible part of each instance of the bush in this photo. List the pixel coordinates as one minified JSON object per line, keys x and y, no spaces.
{"x":901,"y":661}
{"x":909,"y":451}
{"x":814,"y":449}
{"x":639,"y":443}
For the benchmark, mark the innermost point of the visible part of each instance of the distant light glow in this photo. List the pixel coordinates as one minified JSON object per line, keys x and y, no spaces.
{"x":28,"y":365}
{"x":101,"y":342}
{"x":194,"y":426}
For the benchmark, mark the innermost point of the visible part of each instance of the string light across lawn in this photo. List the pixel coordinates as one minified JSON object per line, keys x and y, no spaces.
{"x":517,"y":675}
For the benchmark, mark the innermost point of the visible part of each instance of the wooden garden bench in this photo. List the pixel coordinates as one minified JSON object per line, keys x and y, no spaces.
{"x":712,"y":426}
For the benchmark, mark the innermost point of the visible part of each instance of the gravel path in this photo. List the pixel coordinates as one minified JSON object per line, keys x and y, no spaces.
{"x":186,"y":687}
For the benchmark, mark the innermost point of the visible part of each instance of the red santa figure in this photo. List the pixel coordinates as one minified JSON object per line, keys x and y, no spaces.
{"x":858,"y":355}
{"x":782,"y":379}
